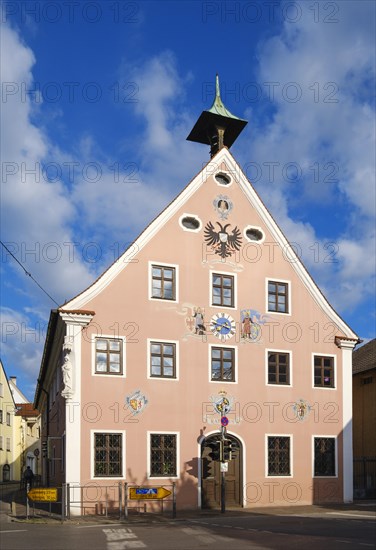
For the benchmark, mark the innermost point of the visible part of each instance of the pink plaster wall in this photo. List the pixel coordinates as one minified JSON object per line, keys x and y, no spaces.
{"x":177,"y":405}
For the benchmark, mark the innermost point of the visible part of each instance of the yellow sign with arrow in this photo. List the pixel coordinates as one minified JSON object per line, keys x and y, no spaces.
{"x":41,"y":494}
{"x":140,"y":493}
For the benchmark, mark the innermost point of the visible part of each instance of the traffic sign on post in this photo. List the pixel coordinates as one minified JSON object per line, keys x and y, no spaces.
{"x":142,"y":493}
{"x":224,"y":421}
{"x":43,"y":494}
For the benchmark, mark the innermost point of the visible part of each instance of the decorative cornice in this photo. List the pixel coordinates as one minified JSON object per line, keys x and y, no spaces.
{"x":346,"y":343}
{"x":77,"y":311}
{"x":76,"y":317}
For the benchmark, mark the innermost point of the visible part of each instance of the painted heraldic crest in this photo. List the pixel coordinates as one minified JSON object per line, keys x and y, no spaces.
{"x":221,"y":242}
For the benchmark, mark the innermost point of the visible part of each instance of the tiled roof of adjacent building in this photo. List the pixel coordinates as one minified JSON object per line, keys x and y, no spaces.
{"x":26,"y":409}
{"x":364,"y":358}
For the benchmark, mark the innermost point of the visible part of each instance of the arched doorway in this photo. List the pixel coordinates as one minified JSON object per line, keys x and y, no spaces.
{"x":211,"y":473}
{"x":30,"y":461}
{"x":6,"y":472}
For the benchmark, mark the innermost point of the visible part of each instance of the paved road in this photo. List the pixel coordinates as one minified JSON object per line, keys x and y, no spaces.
{"x":334,"y":530}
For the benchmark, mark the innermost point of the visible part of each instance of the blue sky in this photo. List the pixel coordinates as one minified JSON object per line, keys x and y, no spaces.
{"x":98,"y":98}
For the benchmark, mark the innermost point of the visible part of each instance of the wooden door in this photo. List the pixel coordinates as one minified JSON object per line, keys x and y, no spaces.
{"x":211,"y":476}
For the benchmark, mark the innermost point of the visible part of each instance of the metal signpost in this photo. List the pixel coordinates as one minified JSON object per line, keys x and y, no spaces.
{"x":150,"y":493}
{"x":40,"y":494}
{"x":224,"y":424}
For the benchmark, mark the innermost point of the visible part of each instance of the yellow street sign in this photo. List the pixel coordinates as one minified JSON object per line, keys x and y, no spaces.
{"x":42,"y":494}
{"x":136,"y":493}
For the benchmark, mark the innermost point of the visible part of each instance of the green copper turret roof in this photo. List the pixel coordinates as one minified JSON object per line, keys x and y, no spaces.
{"x":218,"y":116}
{"x":218,"y":108}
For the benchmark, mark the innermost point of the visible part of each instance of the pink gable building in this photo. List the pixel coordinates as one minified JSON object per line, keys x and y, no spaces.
{"x":209,"y":314}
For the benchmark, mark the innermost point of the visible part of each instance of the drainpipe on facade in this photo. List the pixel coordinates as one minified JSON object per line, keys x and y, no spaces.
{"x":47,"y":434}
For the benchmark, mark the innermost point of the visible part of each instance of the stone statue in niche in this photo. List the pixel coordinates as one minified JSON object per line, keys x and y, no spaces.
{"x":67,"y":370}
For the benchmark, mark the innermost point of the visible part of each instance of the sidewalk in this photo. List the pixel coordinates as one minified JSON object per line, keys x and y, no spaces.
{"x":17,"y":512}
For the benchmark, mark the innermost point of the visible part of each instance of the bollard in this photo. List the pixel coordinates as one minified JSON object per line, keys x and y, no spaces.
{"x":126,"y":500}
{"x":174,"y":500}
{"x":27,"y":500}
{"x":120,"y":499}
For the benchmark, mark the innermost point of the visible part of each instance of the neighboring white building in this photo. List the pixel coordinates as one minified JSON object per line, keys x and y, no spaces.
{"x":9,"y":432}
{"x":18,"y":396}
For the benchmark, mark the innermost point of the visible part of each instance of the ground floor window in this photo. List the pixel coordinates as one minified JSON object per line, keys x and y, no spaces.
{"x":163,"y":455}
{"x":325,"y":456}
{"x":108,"y":455}
{"x":279,"y":456}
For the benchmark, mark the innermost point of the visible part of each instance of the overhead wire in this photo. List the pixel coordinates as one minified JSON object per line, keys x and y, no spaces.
{"x":29,"y":274}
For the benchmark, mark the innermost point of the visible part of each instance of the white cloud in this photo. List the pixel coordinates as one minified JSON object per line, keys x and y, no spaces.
{"x":331,"y":66}
{"x":125,"y":202}
{"x":36,"y":213}
{"x":158,"y":84}
{"x":22,"y":344}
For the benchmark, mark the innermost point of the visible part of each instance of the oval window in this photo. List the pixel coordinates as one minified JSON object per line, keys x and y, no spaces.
{"x":223,"y":179}
{"x":254,"y":234}
{"x":189,"y":222}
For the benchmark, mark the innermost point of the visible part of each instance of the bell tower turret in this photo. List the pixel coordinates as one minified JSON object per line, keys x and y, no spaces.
{"x":217,"y":127}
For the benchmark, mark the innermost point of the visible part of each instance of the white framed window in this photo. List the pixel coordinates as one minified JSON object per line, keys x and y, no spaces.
{"x":163,"y":359}
{"x":278,"y":296}
{"x":324,"y":456}
{"x":163,"y":282}
{"x":8,"y":443}
{"x":324,"y":371}
{"x":278,"y":368}
{"x":223,"y":364}
{"x":278,"y":455}
{"x":223,"y":289}
{"x":108,"y":356}
{"x":163,"y":458}
{"x":1,"y":442}
{"x":108,"y":454}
